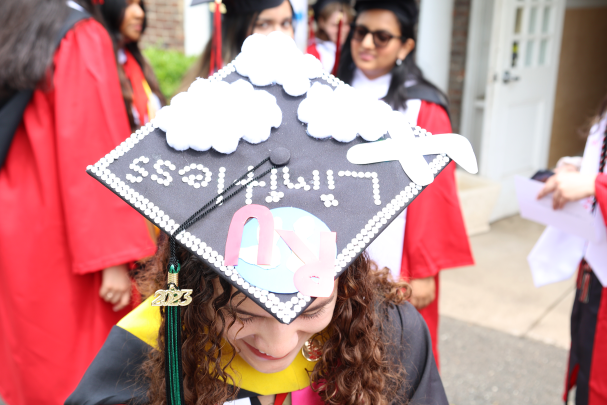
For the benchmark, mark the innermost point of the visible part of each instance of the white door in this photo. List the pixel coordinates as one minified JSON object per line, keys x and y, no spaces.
{"x":523,"y":64}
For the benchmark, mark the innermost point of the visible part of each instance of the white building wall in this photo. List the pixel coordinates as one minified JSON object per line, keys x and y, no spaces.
{"x":434,"y":40}
{"x":196,"y":27}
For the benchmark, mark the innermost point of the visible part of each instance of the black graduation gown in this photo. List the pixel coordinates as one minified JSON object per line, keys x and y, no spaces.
{"x":114,"y":376}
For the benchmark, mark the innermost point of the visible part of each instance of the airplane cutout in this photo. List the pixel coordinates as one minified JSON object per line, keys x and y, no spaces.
{"x":410,"y":150}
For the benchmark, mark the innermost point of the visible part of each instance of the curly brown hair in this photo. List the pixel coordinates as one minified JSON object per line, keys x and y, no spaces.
{"x":354,"y":367}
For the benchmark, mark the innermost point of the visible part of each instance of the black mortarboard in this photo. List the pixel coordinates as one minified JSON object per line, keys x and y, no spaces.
{"x":406,"y":10}
{"x":243,"y":6}
{"x":321,"y":169}
{"x":356,"y":201}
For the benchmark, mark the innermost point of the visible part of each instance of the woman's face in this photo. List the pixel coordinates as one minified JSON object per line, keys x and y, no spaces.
{"x":376,"y":61}
{"x":331,"y":25}
{"x":279,"y":18}
{"x":270,"y":346}
{"x":132,"y":24}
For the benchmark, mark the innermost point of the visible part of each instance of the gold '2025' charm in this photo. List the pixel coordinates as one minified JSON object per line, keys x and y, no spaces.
{"x":172,"y":297}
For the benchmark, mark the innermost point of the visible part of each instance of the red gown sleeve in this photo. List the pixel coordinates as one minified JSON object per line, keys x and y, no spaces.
{"x":90,"y":120}
{"x":600,"y":185}
{"x":435,"y":235}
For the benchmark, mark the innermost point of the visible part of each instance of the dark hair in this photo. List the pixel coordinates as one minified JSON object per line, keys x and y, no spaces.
{"x":354,"y":368}
{"x":584,"y":130}
{"x":112,"y":14}
{"x":326,"y":13}
{"x":408,"y":70}
{"x":27,"y":42}
{"x":235,"y":28}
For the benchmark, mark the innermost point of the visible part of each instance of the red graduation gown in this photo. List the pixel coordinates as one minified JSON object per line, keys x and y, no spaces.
{"x":60,"y":227}
{"x":435,"y":235}
{"x":598,"y":371}
{"x":588,"y":355}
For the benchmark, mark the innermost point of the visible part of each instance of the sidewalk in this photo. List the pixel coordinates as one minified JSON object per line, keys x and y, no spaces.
{"x":502,"y":340}
{"x":498,"y":292}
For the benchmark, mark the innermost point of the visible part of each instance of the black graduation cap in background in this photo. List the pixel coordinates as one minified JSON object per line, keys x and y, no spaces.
{"x":406,"y":9}
{"x":322,"y":170}
{"x":243,"y":6}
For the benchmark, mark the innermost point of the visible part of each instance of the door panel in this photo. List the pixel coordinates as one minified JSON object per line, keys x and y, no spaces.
{"x":520,"y":93}
{"x":522,"y":122}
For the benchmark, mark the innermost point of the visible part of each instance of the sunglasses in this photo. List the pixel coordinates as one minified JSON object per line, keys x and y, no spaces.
{"x":380,"y":38}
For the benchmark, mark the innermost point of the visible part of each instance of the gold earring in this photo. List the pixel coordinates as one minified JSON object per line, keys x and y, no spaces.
{"x":312,"y":350}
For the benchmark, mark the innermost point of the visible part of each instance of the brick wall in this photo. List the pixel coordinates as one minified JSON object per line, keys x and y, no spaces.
{"x":457,"y":70}
{"x":165,"y":24}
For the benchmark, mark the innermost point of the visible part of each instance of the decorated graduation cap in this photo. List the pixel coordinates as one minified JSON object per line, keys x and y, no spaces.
{"x":275,"y":174}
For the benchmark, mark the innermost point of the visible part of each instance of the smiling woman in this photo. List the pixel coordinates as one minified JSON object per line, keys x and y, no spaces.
{"x":362,"y":345}
{"x":268,"y":298}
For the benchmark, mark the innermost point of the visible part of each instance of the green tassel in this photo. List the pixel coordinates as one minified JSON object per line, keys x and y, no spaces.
{"x":173,"y":371}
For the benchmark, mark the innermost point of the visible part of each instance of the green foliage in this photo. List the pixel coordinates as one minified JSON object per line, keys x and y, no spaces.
{"x":170,"y":67}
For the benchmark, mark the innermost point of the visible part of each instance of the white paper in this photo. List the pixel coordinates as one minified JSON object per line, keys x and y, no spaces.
{"x":409,"y":150}
{"x":573,"y":218}
{"x":555,"y":257}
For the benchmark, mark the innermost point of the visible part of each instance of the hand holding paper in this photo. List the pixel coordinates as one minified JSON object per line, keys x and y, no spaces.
{"x":568,"y":186}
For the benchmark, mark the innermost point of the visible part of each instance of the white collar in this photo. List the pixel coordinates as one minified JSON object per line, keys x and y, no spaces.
{"x":376,"y":88}
{"x":325,"y":44}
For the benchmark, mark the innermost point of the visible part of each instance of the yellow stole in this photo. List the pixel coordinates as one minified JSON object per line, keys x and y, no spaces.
{"x":144,"y":322}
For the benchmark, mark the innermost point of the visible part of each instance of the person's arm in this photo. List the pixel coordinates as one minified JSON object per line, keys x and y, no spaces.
{"x":103,"y":233}
{"x":568,"y":186}
{"x":116,"y":286}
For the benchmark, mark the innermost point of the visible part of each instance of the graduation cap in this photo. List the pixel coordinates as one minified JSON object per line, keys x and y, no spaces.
{"x":406,"y":10}
{"x":275,"y":174}
{"x":242,"y":6}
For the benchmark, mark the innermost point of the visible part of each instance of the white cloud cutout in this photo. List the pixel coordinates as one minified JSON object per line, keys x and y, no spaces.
{"x":275,"y":59}
{"x":216,"y":114}
{"x":343,"y":113}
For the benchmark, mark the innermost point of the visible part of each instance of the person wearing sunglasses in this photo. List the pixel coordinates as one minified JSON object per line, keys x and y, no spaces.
{"x":378,"y":58}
